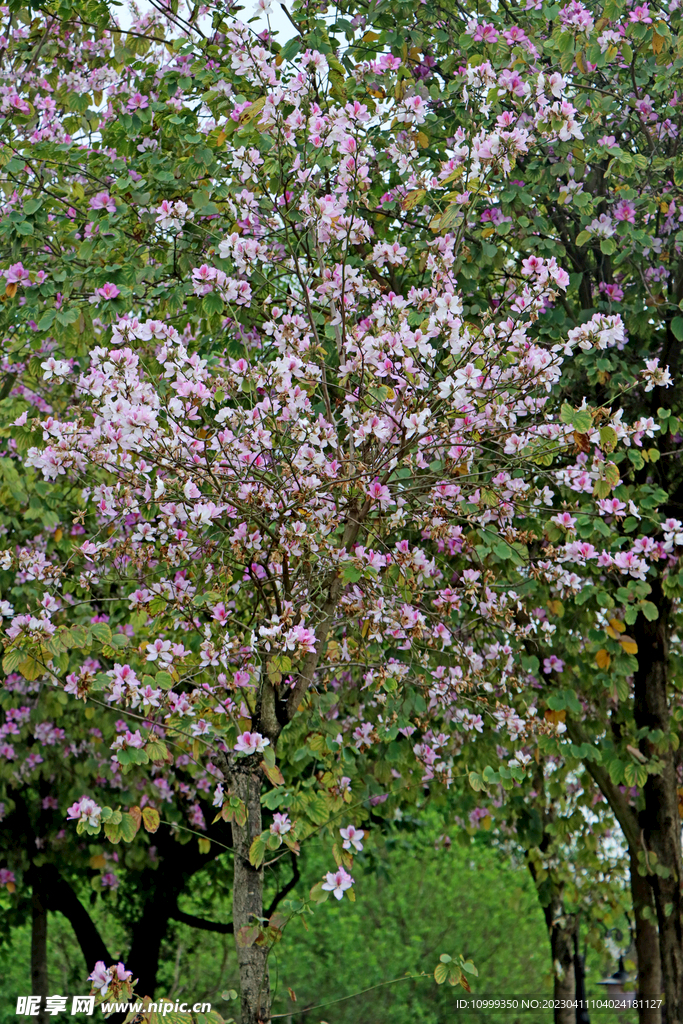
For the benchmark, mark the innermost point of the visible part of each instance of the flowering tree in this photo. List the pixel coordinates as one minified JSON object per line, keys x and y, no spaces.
{"x":606,"y":203}
{"x":303,"y":468}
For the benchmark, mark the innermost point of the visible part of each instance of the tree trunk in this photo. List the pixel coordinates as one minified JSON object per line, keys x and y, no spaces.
{"x":39,"y":979}
{"x":581,"y":1012}
{"x":659,"y":819}
{"x":145,"y":949}
{"x":561,"y":929}
{"x":62,"y":899}
{"x":649,"y":984}
{"x":247,"y":896}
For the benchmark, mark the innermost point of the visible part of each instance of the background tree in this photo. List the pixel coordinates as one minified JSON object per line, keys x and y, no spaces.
{"x":288,"y":439}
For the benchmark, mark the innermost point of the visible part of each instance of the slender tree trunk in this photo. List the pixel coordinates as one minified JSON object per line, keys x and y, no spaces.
{"x":561,"y":928}
{"x":659,"y":819}
{"x":247,"y":896}
{"x":561,"y":932}
{"x":39,"y":978}
{"x":649,"y":985}
{"x":581,"y":1012}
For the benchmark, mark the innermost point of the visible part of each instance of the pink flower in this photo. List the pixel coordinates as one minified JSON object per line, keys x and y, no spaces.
{"x":137,"y":102}
{"x":564,"y":520}
{"x":107,"y":291}
{"x":552,"y":664}
{"x":281,"y":824}
{"x":641,"y":14}
{"x":611,"y":506}
{"x":251,"y":743}
{"x":16,"y":274}
{"x":85,"y":810}
{"x":352,"y":836}
{"x":613,"y":291}
{"x":100,"y":977}
{"x":625,"y":210}
{"x":380,"y":493}
{"x":337,"y":882}
{"x":103,"y":201}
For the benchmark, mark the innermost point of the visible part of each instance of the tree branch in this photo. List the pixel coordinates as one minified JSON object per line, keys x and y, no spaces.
{"x":200,"y":922}
{"x":623,"y":812}
{"x":286,"y":888}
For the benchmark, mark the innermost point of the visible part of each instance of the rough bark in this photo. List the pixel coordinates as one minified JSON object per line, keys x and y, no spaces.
{"x":39,"y":978}
{"x":649,"y":984}
{"x":247,"y":898}
{"x":561,"y":928}
{"x":659,"y":819}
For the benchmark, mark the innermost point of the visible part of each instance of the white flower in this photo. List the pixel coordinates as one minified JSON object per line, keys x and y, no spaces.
{"x":251,"y":743}
{"x":352,"y":837}
{"x":55,"y":368}
{"x":337,"y":882}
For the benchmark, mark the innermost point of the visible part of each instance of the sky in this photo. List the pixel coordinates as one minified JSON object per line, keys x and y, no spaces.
{"x":280,"y":24}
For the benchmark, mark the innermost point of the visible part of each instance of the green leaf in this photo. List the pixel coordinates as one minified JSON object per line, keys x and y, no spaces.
{"x":440,"y":973}
{"x":101,"y":631}
{"x":318,"y":894}
{"x":583,"y":237}
{"x":156,"y":750}
{"x":257,"y":850}
{"x":112,"y":832}
{"x":649,"y":610}
{"x":677,"y":327}
{"x":608,"y":246}
{"x":212,"y":303}
{"x":77,"y":637}
{"x":608,"y":439}
{"x":582,"y":421}
{"x":45,"y":322}
{"x":129,"y":827}
{"x":119,"y":640}
{"x":273,"y":773}
{"x":150,"y":819}
{"x":12,"y":660}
